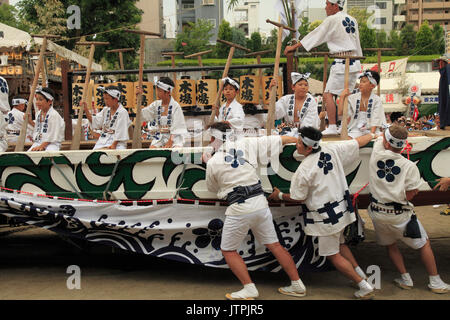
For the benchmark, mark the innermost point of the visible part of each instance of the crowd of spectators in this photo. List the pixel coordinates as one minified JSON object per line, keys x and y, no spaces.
{"x":429,"y":122}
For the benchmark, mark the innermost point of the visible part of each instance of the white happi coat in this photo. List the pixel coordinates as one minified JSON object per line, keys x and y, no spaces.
{"x":361,"y":122}
{"x":174,"y":121}
{"x":235,"y":164}
{"x":50,"y":129}
{"x":14,"y":121}
{"x":114,"y":127}
{"x":390,"y":176}
{"x":234,"y":114}
{"x":340,"y":32}
{"x":320,"y":181}
{"x":3,"y":141}
{"x":308,"y":114}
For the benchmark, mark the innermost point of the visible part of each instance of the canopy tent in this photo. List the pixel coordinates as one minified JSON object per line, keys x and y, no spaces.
{"x":427,"y":81}
{"x":15,"y":38}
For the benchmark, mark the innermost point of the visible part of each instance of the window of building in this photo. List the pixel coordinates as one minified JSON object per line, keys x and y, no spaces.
{"x":213,"y":22}
{"x":380,"y":21}
{"x":208,"y":2}
{"x":381,"y":5}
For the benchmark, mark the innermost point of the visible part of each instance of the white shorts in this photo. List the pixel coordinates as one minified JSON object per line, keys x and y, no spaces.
{"x":55,"y":146}
{"x":236,"y":228}
{"x":387,"y":234}
{"x":330,"y":245}
{"x":336,"y":82}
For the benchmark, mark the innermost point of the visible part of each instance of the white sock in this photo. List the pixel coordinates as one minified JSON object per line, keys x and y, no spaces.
{"x":406,"y":277}
{"x":360,"y":273}
{"x":298,"y":285}
{"x":435,"y":280}
{"x":364,"y":285}
{"x":332,"y":126}
{"x":251,"y":288}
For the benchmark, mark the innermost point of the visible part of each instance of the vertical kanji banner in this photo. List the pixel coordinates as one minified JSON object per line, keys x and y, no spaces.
{"x":127,"y":94}
{"x":206,"y":92}
{"x":147,"y":96}
{"x":266,"y":90}
{"x":249,"y":92}
{"x":99,"y":103}
{"x":185,"y":92}
{"x":77,"y":95}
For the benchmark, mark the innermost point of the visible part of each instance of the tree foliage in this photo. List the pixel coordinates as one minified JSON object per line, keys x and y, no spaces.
{"x":424,"y":39}
{"x":195,"y":37}
{"x":100,"y":20}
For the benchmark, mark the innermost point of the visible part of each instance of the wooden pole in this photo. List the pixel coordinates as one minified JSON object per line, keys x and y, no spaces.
{"x":273,"y":92}
{"x":325,"y":79}
{"x":121,"y":51}
{"x":23,"y":131}
{"x":199,"y":58}
{"x":172,"y":57}
{"x":379,"y":50}
{"x":77,"y":134}
{"x":344,"y":131}
{"x":137,"y":141}
{"x":258,"y":61}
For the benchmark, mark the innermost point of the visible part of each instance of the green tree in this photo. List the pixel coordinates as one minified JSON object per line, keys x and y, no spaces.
{"x":9,"y":16}
{"x":224,"y":33}
{"x":47,"y":17}
{"x":103,"y":19}
{"x":238,"y":37}
{"x":438,"y":39}
{"x":408,"y":39}
{"x":255,"y":43}
{"x":360,"y":14}
{"x":382,"y":41}
{"x":395,"y":42}
{"x":195,"y":36}
{"x":367,"y":37}
{"x":424,"y":39}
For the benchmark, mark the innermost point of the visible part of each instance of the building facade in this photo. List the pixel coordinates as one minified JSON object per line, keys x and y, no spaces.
{"x":193,"y":10}
{"x":152,"y":17}
{"x":246,"y":17}
{"x":381,"y":12}
{"x":434,"y":11}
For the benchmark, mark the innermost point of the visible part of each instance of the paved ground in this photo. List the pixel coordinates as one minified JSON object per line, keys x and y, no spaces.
{"x":34,"y":262}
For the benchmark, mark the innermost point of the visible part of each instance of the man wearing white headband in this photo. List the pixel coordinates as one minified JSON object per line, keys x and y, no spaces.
{"x":340,"y":32}
{"x":14,"y":120}
{"x":165,"y":117}
{"x":365,"y":109}
{"x":49,"y":125}
{"x":113,"y":121}
{"x":231,"y":111}
{"x":232,"y":174}
{"x":393,"y":182}
{"x":299,"y":109}
{"x":320,"y":183}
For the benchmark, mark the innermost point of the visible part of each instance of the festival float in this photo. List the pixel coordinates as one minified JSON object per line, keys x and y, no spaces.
{"x":155,"y":201}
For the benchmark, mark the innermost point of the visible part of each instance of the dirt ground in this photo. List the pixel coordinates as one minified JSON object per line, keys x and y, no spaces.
{"x":34,"y":262}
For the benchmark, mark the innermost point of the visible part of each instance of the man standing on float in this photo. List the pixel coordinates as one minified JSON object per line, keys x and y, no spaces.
{"x":340,"y":32}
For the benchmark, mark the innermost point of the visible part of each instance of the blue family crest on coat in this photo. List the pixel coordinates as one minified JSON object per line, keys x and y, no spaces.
{"x":388,"y":170}
{"x":3,"y":86}
{"x":235,"y":157}
{"x":10,"y":119}
{"x":325,"y":162}
{"x":349,"y":25}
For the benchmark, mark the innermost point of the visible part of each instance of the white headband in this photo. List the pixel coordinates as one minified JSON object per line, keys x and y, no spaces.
{"x":220,"y":135}
{"x":296,"y":77}
{"x":310,"y":142}
{"x":369,"y":76}
{"x":16,"y":102}
{"x":339,"y":2}
{"x":45,"y":94}
{"x":394,"y":142}
{"x":164,"y":86}
{"x":232,"y":82}
{"x":113,"y":93}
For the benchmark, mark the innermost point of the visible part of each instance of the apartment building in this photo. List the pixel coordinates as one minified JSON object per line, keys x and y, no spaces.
{"x":192,"y":10}
{"x":381,"y":12}
{"x":246,"y":17}
{"x":152,"y":18}
{"x":434,"y":11}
